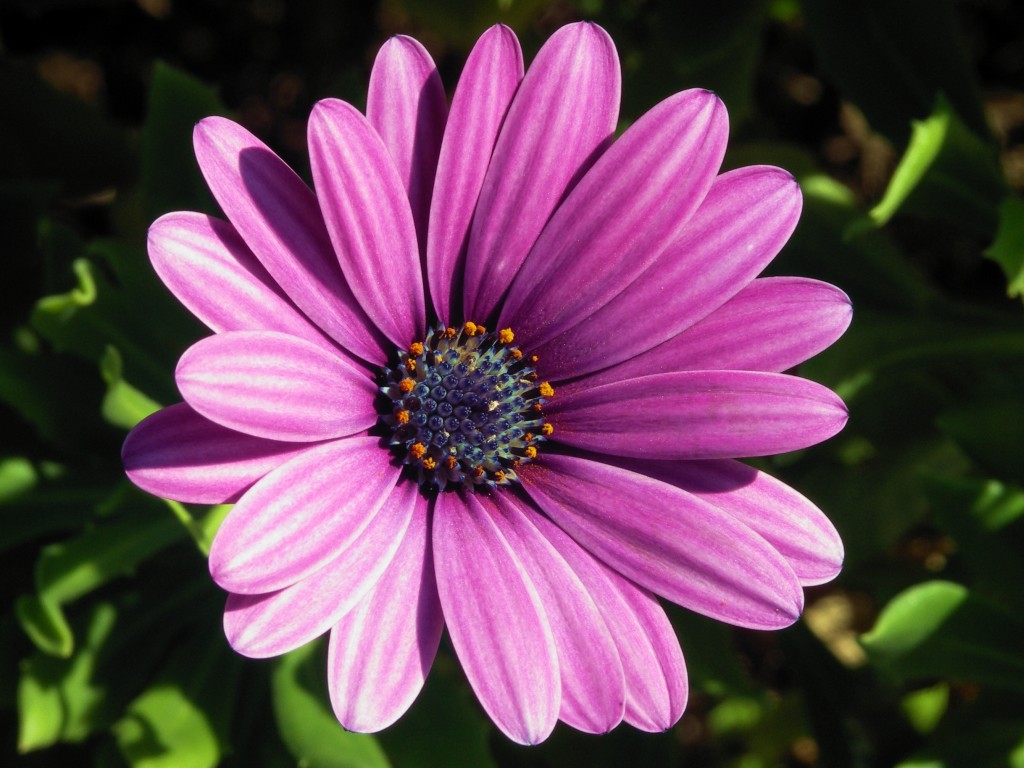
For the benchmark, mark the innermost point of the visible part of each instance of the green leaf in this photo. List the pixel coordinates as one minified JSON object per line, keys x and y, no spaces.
{"x":170,"y":176}
{"x":44,"y":623}
{"x":924,"y":708}
{"x":893,"y":59}
{"x":17,"y":476}
{"x":942,"y":629}
{"x":947,"y":172}
{"x":123,"y":405}
{"x":1008,"y":248}
{"x":304,"y":718}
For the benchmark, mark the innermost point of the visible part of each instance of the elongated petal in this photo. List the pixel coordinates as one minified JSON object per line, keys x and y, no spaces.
{"x":698,"y":415}
{"x":741,"y":225}
{"x":593,"y":684}
{"x":264,"y":625}
{"x":773,"y":324}
{"x":278,"y":217}
{"x":667,"y":541}
{"x":177,"y":454}
{"x":381,"y":651}
{"x":488,"y":82}
{"x":654,"y":673}
{"x":496,"y":621}
{"x":407,"y":107}
{"x":785,"y":519}
{"x":275,"y":386}
{"x":560,"y":120}
{"x":332,"y":491}
{"x":636,"y":200}
{"x":211,"y":270}
{"x":368,"y":217}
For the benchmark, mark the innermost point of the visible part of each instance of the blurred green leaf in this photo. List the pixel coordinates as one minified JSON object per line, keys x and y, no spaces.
{"x":182,"y":720}
{"x":123,"y":405}
{"x":304,"y":718}
{"x":947,"y":172}
{"x":991,"y":433}
{"x":17,"y":476}
{"x":942,"y":629}
{"x":924,"y":708}
{"x":171,"y":180}
{"x":1008,"y":248}
{"x":893,"y":59}
{"x":44,"y":623}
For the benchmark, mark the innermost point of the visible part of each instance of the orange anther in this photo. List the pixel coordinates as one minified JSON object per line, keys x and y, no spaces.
{"x":406,"y":385}
{"x":416,"y":450}
{"x":402,"y":417}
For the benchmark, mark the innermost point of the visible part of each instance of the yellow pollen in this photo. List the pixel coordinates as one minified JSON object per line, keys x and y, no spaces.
{"x":416,"y":348}
{"x":451,"y":462}
{"x":537,"y":407}
{"x":499,"y":476}
{"x":410,"y":364}
{"x":547,"y":430}
{"x":407,"y":385}
{"x":546,"y":390}
{"x":402,"y":417}
{"x":416,"y":450}
{"x":528,"y":437}
{"x":470,"y":328}
{"x":478,"y":472}
{"x":517,"y":354}
{"x":534,"y":359}
{"x":429,"y":463}
{"x":449,"y":332}
{"x":531,"y":376}
{"x":530,"y":452}
{"x":516,"y":463}
{"x":506,"y":336}
{"x":480,"y":329}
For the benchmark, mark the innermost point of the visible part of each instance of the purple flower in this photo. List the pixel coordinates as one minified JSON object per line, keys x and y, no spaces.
{"x":494,"y":375}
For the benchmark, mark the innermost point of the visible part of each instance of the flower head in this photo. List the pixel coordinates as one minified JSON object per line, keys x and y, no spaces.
{"x":493,"y":375}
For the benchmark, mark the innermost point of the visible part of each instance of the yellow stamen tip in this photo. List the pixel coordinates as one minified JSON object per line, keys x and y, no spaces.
{"x":478,"y":472}
{"x":402,"y":417}
{"x":506,"y":336}
{"x":406,"y":385}
{"x":470,"y":328}
{"x":547,"y":430}
{"x":416,"y":348}
{"x":451,"y":462}
{"x":530,"y":452}
{"x":416,"y":450}
{"x":499,"y":476}
{"x":429,"y":463}
{"x":534,"y":358}
{"x":546,"y":390}
{"x":410,"y":364}
{"x":449,"y":332}
{"x":517,"y":354}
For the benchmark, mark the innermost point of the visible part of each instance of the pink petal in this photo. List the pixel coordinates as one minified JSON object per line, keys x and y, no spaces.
{"x":636,"y":201}
{"x":297,"y":518}
{"x":560,"y":120}
{"x":593,"y":685}
{"x":488,"y":82}
{"x":278,"y":217}
{"x":177,"y":454}
{"x":698,"y":415}
{"x":496,"y":620}
{"x":741,"y":225}
{"x":381,"y":651}
{"x":264,"y":625}
{"x":407,"y":106}
{"x":667,"y":541}
{"x":368,"y":217}
{"x":773,"y":324}
{"x":275,"y":386}
{"x":655,"y":675}
{"x":785,"y":519}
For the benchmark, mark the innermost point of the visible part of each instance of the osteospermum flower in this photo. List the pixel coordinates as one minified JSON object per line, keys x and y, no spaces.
{"x":493,"y":375}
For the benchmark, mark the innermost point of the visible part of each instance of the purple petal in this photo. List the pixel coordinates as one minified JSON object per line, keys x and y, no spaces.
{"x":636,"y":201}
{"x":488,"y":82}
{"x":667,"y":541}
{"x":177,"y":454}
{"x":698,"y":415}
{"x":275,"y":386}
{"x":332,"y":491}
{"x":368,"y":217}
{"x":496,"y":620}
{"x":560,"y":120}
{"x":593,"y":685}
{"x":655,"y":675}
{"x":407,"y":106}
{"x":381,"y":651}
{"x":278,"y":217}
{"x":264,"y":625}
{"x":785,"y":519}
{"x":741,"y":225}
{"x":773,"y":324}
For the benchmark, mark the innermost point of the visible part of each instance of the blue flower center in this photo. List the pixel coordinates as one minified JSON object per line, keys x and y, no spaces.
{"x":465,"y":408}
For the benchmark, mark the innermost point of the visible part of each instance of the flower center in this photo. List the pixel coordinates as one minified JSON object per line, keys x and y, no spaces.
{"x":465,"y":408}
